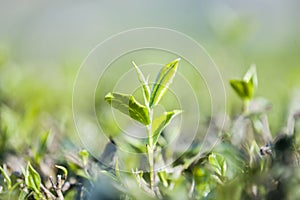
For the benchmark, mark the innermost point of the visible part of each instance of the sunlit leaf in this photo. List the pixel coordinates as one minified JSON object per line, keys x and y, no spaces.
{"x":84,"y":155}
{"x":163,"y":178}
{"x":162,"y":82}
{"x":242,"y":88}
{"x":251,"y":76}
{"x":218,"y":163}
{"x":22,"y":195}
{"x":42,"y":148}
{"x":129,"y":106}
{"x":224,"y":168}
{"x":32,"y":178}
{"x":117,"y":169}
{"x":62,"y":168}
{"x":139,"y":145}
{"x":143,"y":81}
{"x":161,"y":122}
{"x":6,"y":177}
{"x":245,"y":87}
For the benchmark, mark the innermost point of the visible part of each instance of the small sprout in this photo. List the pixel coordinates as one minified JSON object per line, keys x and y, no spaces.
{"x":117,"y":169}
{"x":65,"y":171}
{"x":32,"y":179}
{"x":144,"y":113}
{"x":218,"y":163}
{"x":253,"y":151}
{"x":84,"y":155}
{"x":42,"y":147}
{"x":163,"y":178}
{"x":245,"y":88}
{"x":6,"y":177}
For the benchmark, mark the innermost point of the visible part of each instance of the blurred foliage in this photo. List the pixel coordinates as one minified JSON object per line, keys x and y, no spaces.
{"x":248,"y":162}
{"x":257,"y":156}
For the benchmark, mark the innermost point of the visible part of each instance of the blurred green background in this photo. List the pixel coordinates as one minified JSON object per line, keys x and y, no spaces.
{"x":43,"y":43}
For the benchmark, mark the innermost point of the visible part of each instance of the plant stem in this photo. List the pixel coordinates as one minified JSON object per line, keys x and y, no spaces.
{"x":150,"y":149}
{"x":246,"y":106}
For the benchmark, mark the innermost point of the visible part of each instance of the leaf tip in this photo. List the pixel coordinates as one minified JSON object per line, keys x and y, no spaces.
{"x":232,"y":81}
{"x":134,"y":64}
{"x":108,"y":96}
{"x":175,"y":62}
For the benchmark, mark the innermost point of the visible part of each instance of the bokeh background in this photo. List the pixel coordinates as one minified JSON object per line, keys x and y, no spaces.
{"x":43,"y":43}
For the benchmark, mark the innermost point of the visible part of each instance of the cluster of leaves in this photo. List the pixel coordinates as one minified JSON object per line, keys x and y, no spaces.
{"x":246,"y":162}
{"x":144,"y":113}
{"x":34,"y":180}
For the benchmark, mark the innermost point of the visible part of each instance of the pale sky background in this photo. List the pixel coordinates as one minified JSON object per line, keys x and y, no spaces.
{"x":47,"y":34}
{"x":38,"y":30}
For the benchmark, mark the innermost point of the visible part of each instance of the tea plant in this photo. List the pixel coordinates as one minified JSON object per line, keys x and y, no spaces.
{"x":144,"y":113}
{"x":250,"y":160}
{"x":245,"y":88}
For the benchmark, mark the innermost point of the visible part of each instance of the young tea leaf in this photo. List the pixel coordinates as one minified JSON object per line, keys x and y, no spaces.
{"x":129,"y":106}
{"x":137,"y":144}
{"x":62,"y":168}
{"x":117,"y":169}
{"x":42,"y":148}
{"x":6,"y":177}
{"x":163,"y":178}
{"x":245,"y":87}
{"x":161,"y":122}
{"x":242,"y":88}
{"x":162,"y":82}
{"x":143,"y":81}
{"x":32,"y":179}
{"x":251,"y":75}
{"x":84,"y":155}
{"x":218,"y":163}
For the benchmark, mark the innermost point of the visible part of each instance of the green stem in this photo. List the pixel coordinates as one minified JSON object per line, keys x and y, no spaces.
{"x":246,"y":106}
{"x":151,"y":166}
{"x":150,"y":150}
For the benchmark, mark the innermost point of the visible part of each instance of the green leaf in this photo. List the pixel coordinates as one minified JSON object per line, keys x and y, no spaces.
{"x":117,"y":169}
{"x":162,"y":82}
{"x":62,"y":168}
{"x":218,"y":163}
{"x":146,"y":89}
{"x":161,"y":122}
{"x":242,"y":88}
{"x":129,"y":106}
{"x":224,"y":168}
{"x":6,"y":177}
{"x":32,"y":179}
{"x":137,"y":144}
{"x":163,"y":178}
{"x":42,"y":148}
{"x":22,"y":195}
{"x":251,"y":76}
{"x":84,"y":155}
{"x":245,"y":87}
